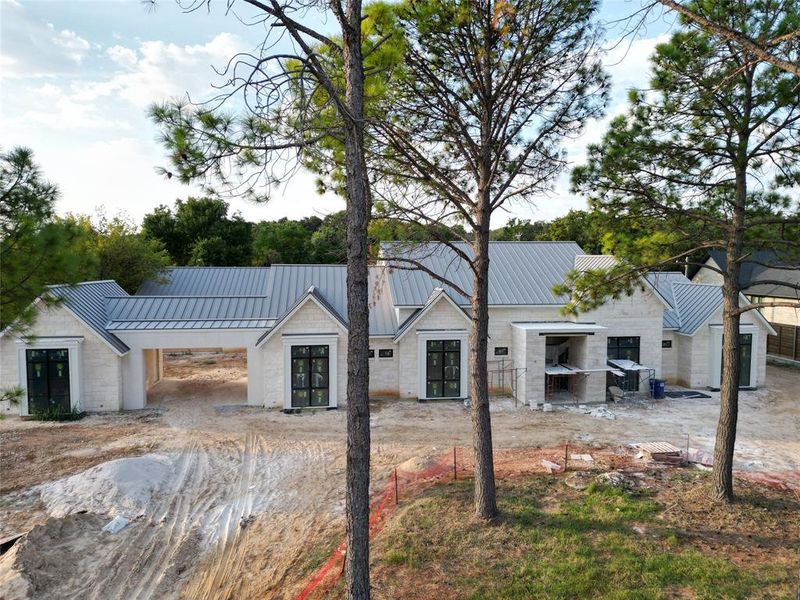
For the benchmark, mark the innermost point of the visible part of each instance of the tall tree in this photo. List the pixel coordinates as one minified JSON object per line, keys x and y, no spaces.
{"x":707,"y":152}
{"x":242,"y":152}
{"x":488,"y":93}
{"x":35,"y":248}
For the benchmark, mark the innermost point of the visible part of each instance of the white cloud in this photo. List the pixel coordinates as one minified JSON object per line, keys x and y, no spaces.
{"x":75,"y":45}
{"x":33,"y":48}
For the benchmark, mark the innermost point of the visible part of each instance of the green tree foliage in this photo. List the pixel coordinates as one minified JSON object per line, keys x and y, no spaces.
{"x":328,"y":244}
{"x":282,"y":241}
{"x":35,"y":249}
{"x":200,"y":232}
{"x":708,"y":155}
{"x":127,"y":256}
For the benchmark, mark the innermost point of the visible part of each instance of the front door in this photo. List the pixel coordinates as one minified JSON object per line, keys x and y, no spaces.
{"x":443,"y":372}
{"x":48,"y":380}
{"x":745,"y":359}
{"x":310,"y":376}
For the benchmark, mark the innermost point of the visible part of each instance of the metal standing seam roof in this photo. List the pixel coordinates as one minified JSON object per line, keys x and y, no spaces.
{"x":662,"y":281}
{"x":289,"y":283}
{"x":695,"y":303}
{"x":208,"y":281}
{"x":87,"y":300}
{"x":764,"y":265}
{"x":590,"y":262}
{"x":520,"y":273}
{"x":279,"y":288}
{"x":188,"y":312}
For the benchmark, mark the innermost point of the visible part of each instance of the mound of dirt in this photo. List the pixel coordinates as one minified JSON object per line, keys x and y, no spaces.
{"x":118,"y":487}
{"x":53,"y":558}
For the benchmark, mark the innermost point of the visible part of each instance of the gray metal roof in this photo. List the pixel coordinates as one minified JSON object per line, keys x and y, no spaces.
{"x":590,"y":262}
{"x":87,"y":300}
{"x":766,"y":265}
{"x":188,"y":312}
{"x":206,"y":297}
{"x":208,"y":281}
{"x":662,"y":282}
{"x":695,"y":303}
{"x":289,"y":283}
{"x":520,"y":273}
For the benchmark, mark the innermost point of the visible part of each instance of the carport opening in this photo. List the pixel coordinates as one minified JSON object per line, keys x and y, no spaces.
{"x":202,"y":375}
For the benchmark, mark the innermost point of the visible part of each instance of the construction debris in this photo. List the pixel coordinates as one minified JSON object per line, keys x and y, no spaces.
{"x":598,"y":412}
{"x":663,"y":452}
{"x":552,"y":467}
{"x":582,"y":457}
{"x":116,"y":524}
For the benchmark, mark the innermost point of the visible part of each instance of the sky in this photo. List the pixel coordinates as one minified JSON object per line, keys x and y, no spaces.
{"x":77,"y":78}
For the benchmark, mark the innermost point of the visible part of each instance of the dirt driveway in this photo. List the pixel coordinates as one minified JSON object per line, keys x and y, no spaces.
{"x":259,"y":494}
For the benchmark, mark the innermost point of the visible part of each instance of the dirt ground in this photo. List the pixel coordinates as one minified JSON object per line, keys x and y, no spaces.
{"x":259,"y":493}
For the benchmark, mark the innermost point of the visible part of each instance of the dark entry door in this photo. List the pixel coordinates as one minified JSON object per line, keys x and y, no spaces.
{"x":745,"y":359}
{"x":310,"y":376}
{"x":443,"y":373}
{"x":48,"y":380}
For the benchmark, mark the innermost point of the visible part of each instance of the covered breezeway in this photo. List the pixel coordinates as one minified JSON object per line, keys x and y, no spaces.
{"x":154,"y":361}
{"x":209,"y":376}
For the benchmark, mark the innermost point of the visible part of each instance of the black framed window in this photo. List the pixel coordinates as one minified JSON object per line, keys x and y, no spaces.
{"x":310,"y":376}
{"x":48,"y":380}
{"x":385,"y":353}
{"x":371,"y":353}
{"x":626,"y":348}
{"x":666,"y":343}
{"x":501,"y":351}
{"x":443,"y":372}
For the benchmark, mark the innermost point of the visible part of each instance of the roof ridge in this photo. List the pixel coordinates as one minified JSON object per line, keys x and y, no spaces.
{"x":172,"y":268}
{"x":164,"y":296}
{"x":60,"y":285}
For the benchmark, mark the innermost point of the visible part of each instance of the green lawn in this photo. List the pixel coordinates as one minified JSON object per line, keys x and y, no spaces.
{"x":555,"y":542}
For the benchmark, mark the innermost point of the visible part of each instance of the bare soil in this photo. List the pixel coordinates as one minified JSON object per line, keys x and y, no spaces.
{"x":259,"y":494}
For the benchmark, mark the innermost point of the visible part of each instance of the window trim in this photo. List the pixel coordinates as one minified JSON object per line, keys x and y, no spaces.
{"x":72,"y":345}
{"x":638,"y":346}
{"x":327,"y":339}
{"x":441,"y":334}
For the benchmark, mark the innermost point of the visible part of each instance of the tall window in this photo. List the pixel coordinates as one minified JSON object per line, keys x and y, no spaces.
{"x":745,"y":358}
{"x":310,"y":376}
{"x":624,"y":347}
{"x":443,"y":373}
{"x":48,"y":380}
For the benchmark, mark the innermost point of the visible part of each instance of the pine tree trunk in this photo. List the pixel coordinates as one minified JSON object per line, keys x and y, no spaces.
{"x":485,"y":496}
{"x":358,"y":211}
{"x":729,"y":378}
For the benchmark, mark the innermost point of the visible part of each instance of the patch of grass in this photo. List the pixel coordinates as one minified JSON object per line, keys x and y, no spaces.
{"x":56,"y":414}
{"x":208,"y":361}
{"x":553,"y":542}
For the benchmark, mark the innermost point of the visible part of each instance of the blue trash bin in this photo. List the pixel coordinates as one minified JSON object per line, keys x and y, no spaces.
{"x":659,"y":385}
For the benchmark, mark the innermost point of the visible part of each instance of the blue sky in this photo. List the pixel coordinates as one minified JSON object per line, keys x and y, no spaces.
{"x":76,"y":78}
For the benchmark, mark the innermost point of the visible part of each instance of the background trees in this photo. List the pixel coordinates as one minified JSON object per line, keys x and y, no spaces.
{"x":709,"y":154}
{"x":200,"y":232}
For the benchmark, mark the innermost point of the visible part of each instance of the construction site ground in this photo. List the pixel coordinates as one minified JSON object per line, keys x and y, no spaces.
{"x":229,"y":501}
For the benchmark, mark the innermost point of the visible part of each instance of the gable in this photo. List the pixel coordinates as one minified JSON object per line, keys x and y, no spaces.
{"x":309,"y":316}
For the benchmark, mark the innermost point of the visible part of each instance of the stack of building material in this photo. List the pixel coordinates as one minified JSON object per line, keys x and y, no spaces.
{"x":663,"y":452}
